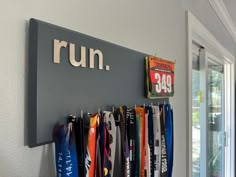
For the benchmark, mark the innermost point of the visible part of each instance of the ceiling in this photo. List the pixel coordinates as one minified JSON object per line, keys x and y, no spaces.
{"x":231,"y":7}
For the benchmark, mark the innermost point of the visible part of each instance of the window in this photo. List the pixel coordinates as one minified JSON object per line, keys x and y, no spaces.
{"x":211,"y":105}
{"x":196,"y":100}
{"x":208,"y":128}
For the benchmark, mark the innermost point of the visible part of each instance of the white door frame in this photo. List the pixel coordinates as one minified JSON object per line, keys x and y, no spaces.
{"x":199,"y":34}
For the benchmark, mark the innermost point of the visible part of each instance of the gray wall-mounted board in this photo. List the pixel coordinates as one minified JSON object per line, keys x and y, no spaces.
{"x":58,"y":90}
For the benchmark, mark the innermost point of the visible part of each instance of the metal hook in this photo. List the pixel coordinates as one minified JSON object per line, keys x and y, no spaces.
{"x":113,"y":109}
{"x":71,"y":118}
{"x":99,"y":113}
{"x":81,"y":114}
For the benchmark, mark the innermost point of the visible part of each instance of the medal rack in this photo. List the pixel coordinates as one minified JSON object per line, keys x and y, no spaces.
{"x":70,"y":72}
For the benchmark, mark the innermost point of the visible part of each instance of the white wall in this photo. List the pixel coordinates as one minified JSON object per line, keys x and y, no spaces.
{"x":154,"y":26}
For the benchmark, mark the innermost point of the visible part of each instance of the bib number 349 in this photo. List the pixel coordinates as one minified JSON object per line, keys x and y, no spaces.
{"x":163,"y":83}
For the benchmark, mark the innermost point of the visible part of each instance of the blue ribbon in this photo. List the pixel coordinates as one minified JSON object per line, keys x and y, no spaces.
{"x":66,"y":159}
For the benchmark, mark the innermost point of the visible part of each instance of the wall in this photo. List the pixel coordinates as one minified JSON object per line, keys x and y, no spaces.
{"x":147,"y":26}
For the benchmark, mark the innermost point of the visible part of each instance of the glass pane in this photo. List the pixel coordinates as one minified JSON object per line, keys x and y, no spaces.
{"x":195,"y":117}
{"x":215,"y":119}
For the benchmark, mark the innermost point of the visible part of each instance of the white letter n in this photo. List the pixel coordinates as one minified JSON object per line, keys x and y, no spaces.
{"x":92,"y":54}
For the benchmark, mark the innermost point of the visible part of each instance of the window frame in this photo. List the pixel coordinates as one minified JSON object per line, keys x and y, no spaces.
{"x":198,"y":34}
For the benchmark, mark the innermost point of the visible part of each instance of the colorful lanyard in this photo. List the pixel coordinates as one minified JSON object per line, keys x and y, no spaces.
{"x":169,"y":137}
{"x":127,"y":143}
{"x":164,"y":158}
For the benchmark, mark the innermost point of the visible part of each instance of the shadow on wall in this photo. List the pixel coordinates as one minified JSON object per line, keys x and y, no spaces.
{"x":47,"y":167}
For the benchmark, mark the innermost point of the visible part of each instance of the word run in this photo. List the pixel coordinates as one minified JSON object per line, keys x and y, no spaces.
{"x":58,"y":45}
